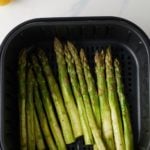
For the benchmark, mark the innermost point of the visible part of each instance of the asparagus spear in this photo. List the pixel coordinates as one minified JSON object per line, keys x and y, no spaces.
{"x":128,"y":135}
{"x":79,"y":100}
{"x":84,"y":91}
{"x":91,"y":88}
{"x":38,"y":133}
{"x":57,"y":98}
{"x":113,"y":102}
{"x":48,"y":106}
{"x":66,"y":89}
{"x":43,"y":120}
{"x":22,"y":99}
{"x":107,"y":129}
{"x":95,"y":147}
{"x":30,"y":110}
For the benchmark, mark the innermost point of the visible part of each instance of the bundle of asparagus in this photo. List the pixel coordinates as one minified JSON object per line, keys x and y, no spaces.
{"x":55,"y":113}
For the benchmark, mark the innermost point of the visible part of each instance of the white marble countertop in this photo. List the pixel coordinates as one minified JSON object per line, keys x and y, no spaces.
{"x":18,"y":11}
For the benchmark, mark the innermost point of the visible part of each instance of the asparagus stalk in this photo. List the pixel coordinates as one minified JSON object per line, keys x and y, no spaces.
{"x":22,"y":99}
{"x":95,"y":147}
{"x":113,"y":102}
{"x":30,"y":111}
{"x":79,"y":100}
{"x":66,"y":89}
{"x":38,"y":133}
{"x":57,"y":99}
{"x":84,"y":91}
{"x":128,"y":135}
{"x":107,"y":129}
{"x":91,"y":88}
{"x":48,"y":106}
{"x":43,"y":120}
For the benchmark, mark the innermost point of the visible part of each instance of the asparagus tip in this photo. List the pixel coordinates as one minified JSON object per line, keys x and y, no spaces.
{"x":35,"y":63}
{"x":117,"y":65}
{"x":102,"y":53}
{"x":102,"y":58}
{"x":72,"y":49}
{"x":82,"y":55}
{"x":34,"y":59}
{"x":96,"y":57}
{"x":116,"y":62}
{"x":56,"y":39}
{"x":40,"y":52}
{"x":57,"y":43}
{"x":69,"y":44}
{"x":22,"y":57}
{"x":65,"y":49}
{"x":108,"y":56}
{"x":108,"y":50}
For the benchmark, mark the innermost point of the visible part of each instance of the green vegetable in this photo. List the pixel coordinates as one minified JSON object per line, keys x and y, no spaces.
{"x":38,"y":133}
{"x":49,"y":109}
{"x":91,"y":88}
{"x":92,"y":122}
{"x":66,"y":89}
{"x":113,"y":102}
{"x":22,"y":99}
{"x":43,"y":120}
{"x":30,"y":110}
{"x":79,"y":100}
{"x":128,"y":135}
{"x":107,"y":128}
{"x":57,"y":99}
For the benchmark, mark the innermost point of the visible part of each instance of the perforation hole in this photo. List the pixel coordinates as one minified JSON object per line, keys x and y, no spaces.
{"x":129,"y":58}
{"x":129,"y":84}
{"x":129,"y":68}
{"x":129,"y":79}
{"x":129,"y":73}
{"x":129,"y":62}
{"x":122,"y":57}
{"x":130,"y":89}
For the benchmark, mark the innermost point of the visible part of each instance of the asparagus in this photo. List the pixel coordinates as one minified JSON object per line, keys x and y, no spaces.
{"x":38,"y":133}
{"x":107,"y":129}
{"x":128,"y":135}
{"x":84,"y":91}
{"x":22,"y":99}
{"x":66,"y":89}
{"x":30,"y":110}
{"x":91,"y":88}
{"x":79,"y":100}
{"x":43,"y":120}
{"x":57,"y":98}
{"x":48,"y":106}
{"x":113,"y":102}
{"x":95,"y":147}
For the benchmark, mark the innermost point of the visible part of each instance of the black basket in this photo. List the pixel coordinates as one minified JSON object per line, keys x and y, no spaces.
{"x":128,"y":42}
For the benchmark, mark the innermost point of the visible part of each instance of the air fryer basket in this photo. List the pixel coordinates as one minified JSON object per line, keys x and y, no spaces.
{"x":128,"y":43}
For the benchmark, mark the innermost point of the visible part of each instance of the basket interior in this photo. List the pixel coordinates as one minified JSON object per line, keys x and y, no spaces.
{"x":126,"y":45}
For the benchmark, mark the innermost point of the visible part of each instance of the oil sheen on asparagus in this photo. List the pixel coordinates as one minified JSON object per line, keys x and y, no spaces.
{"x":57,"y":99}
{"x":66,"y":89}
{"x":107,"y":128}
{"x":53,"y":123}
{"x":79,"y":100}
{"x":92,"y":122}
{"x":128,"y":135}
{"x":113,"y":102}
